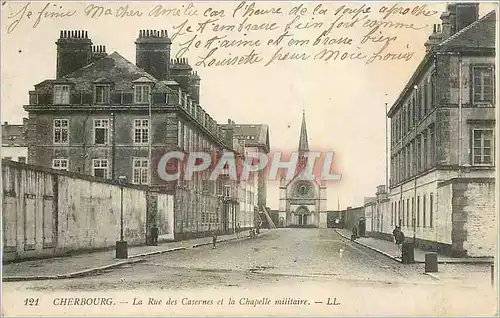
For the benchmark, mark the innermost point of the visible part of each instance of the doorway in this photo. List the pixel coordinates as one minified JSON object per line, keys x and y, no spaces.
{"x":302,"y":219}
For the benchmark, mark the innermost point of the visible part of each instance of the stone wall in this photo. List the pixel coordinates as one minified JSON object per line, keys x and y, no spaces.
{"x":48,"y":212}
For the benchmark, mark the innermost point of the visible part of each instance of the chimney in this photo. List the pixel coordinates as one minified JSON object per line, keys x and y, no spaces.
{"x":435,"y":38}
{"x":465,"y":14}
{"x":98,"y":52}
{"x":194,"y":85}
{"x":74,"y":51}
{"x":180,"y":71}
{"x":152,"y":52}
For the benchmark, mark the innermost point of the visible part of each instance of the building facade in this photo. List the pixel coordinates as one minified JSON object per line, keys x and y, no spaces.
{"x":302,"y":200}
{"x":108,"y":117}
{"x":442,"y":140}
{"x":252,"y":191}
{"x":15,"y":141}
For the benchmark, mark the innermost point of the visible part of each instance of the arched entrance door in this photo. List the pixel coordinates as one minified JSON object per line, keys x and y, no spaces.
{"x":302,"y":215}
{"x":361,"y":227}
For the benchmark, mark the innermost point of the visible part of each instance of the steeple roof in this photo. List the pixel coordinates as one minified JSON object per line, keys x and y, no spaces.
{"x":303,"y":143}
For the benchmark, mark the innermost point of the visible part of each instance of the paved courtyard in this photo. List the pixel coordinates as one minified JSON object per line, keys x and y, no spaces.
{"x":290,"y":262}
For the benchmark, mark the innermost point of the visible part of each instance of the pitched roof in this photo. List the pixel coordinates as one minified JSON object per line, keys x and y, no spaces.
{"x":114,"y":68}
{"x":14,"y":135}
{"x":479,"y":34}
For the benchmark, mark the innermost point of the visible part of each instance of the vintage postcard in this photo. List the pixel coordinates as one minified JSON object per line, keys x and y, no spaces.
{"x":249,"y":158}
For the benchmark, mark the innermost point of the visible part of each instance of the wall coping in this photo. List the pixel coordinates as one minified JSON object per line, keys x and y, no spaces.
{"x":77,"y":175}
{"x":465,"y":180}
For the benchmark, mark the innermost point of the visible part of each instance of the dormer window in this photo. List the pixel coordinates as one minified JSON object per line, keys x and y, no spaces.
{"x":102,"y":94}
{"x":61,"y":94}
{"x":141,"y":93}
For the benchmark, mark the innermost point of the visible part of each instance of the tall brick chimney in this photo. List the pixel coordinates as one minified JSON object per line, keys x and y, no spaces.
{"x":180,"y":71}
{"x":194,"y":85}
{"x":98,"y":52}
{"x":152,"y":52}
{"x":74,"y":51}
{"x":465,"y":14}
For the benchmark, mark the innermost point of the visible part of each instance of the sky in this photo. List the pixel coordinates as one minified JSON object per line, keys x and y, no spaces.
{"x":344,"y":101}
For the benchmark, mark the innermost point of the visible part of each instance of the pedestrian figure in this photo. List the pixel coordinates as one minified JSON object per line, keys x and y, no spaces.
{"x":354,"y":234}
{"x":399,"y":239}
{"x":214,"y":238}
{"x":238,"y":229}
{"x":154,"y":235}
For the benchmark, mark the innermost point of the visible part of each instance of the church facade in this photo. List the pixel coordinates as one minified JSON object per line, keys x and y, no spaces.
{"x":302,"y":199}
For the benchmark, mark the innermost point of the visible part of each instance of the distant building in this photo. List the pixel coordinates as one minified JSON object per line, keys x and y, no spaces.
{"x":442,"y":186}
{"x":251,"y":193}
{"x":15,"y":141}
{"x":302,"y":201}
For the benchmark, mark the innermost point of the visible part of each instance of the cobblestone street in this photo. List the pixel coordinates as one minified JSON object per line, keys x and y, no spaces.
{"x":284,"y":261}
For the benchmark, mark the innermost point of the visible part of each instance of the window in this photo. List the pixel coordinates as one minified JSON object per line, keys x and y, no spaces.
{"x":61,"y":127}
{"x":22,"y":159}
{"x":100,"y":168}
{"x":413,"y":212}
{"x":418,"y":212}
{"x":407,"y":212}
{"x":433,"y":91}
{"x":424,"y":149}
{"x":402,"y":213}
{"x":482,"y":84}
{"x":399,"y":213}
{"x":425,"y":99}
{"x":141,"y":171}
{"x":8,"y":158}
{"x":101,"y":129}
{"x":419,"y":154}
{"x":60,"y":164}
{"x":141,"y":131}
{"x":392,"y":213}
{"x":102,"y":94}
{"x":424,"y":212}
{"x":227,"y":190}
{"x":482,"y":146}
{"x":431,"y":210}
{"x":432,"y":146}
{"x":180,"y":140}
{"x":61,"y":94}
{"x":141,"y":93}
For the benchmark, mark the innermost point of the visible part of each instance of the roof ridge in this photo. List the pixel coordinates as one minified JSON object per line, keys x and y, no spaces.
{"x":470,"y":26}
{"x":113,"y":56}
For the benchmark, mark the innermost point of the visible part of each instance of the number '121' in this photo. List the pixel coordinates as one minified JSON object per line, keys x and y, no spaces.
{"x":31,"y":301}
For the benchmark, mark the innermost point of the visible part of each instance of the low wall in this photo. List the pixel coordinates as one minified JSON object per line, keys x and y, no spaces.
{"x":48,"y":212}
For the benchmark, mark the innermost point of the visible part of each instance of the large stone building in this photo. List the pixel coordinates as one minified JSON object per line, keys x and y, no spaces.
{"x":302,"y":200}
{"x":15,"y":141}
{"x":108,"y":117}
{"x":442,"y":185}
{"x":252,"y":193}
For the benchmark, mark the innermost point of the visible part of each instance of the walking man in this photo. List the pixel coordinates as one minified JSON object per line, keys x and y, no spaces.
{"x":214,"y":238}
{"x":354,"y":234}
{"x":154,"y":235}
{"x":399,"y":239}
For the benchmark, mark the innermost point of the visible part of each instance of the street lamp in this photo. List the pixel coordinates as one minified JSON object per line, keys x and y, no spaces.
{"x":121,"y":245}
{"x":415,"y":163}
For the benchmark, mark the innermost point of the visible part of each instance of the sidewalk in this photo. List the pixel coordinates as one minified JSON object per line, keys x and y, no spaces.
{"x":92,"y":263}
{"x":388,"y":249}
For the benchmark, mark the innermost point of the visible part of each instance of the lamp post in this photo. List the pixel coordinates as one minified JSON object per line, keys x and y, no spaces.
{"x":121,"y":245}
{"x":415,"y":165}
